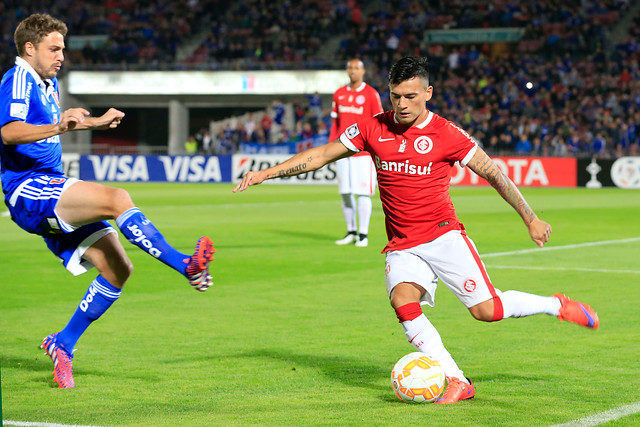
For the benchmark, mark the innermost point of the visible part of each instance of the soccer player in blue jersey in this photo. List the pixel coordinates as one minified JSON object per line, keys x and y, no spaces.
{"x":68,"y":213}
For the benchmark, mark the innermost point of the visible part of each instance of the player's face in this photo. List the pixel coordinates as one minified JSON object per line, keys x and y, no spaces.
{"x":355,"y":69}
{"x":409,"y":99}
{"x":46,"y":58}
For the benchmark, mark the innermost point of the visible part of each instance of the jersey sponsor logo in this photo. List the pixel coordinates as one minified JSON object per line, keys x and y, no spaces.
{"x":360,"y":99}
{"x":470,"y":286}
{"x":403,"y":167}
{"x":423,"y":145}
{"x":19,"y":111}
{"x":380,"y":139}
{"x":349,"y":109}
{"x":88,"y":299}
{"x":352,"y":131}
{"x":51,"y":140}
{"x":403,"y":146}
{"x":139,"y":237}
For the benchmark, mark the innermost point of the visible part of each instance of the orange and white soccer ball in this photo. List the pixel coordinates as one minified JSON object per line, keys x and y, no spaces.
{"x":418,"y":378}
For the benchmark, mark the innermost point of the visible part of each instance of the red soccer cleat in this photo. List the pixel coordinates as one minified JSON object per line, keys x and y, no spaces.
{"x":456,"y":390}
{"x":577,"y":312}
{"x":62,"y":369}
{"x":198,"y":268}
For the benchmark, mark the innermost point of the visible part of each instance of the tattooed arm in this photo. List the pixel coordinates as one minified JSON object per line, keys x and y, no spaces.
{"x":482,"y":165}
{"x":306,"y":161}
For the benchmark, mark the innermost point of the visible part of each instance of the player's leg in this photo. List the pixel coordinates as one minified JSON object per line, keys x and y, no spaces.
{"x":364,"y":219}
{"x":363,"y":183}
{"x":458,"y":264}
{"x":347,"y":201}
{"x":86,"y":202}
{"x":405,"y":297}
{"x":104,"y":251}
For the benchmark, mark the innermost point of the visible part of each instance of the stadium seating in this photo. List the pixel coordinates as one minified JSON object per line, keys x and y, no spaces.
{"x":581,"y":84}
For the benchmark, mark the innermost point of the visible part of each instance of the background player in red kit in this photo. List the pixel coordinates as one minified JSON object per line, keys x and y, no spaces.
{"x":414,"y":151}
{"x":356,"y":174}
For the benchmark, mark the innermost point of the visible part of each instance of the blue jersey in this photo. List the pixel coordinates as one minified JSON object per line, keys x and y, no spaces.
{"x":25,"y":97}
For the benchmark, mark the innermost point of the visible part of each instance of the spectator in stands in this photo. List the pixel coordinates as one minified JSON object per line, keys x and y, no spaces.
{"x":191,"y":145}
{"x":265,"y":124}
{"x":315,"y":105}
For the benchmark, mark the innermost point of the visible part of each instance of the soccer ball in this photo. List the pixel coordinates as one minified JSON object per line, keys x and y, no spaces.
{"x":417,"y":378}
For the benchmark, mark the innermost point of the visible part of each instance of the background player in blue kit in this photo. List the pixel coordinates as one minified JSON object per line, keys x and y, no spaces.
{"x":67,"y":212}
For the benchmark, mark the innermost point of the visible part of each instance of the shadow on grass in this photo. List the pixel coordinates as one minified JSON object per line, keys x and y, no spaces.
{"x":349,"y":371}
{"x":42,"y":364}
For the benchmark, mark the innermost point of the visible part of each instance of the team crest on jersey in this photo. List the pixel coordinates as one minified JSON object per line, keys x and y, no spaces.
{"x":352,"y":131}
{"x":55,"y":98}
{"x":360,"y":99}
{"x":423,"y":145}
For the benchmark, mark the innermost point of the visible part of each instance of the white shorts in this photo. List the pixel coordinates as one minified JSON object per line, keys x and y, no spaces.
{"x":356,"y":175}
{"x":452,"y":258}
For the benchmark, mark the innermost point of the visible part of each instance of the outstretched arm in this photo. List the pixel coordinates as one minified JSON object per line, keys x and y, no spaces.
{"x":305,"y":161}
{"x":482,"y":165}
{"x":17,"y":132}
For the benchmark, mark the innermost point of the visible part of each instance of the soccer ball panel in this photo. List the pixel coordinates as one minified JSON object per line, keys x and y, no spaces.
{"x":417,"y":378}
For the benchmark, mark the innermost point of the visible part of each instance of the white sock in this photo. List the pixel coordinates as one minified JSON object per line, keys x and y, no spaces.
{"x":521,"y":304}
{"x":425,"y":338}
{"x":348,"y":209}
{"x":364,"y":214}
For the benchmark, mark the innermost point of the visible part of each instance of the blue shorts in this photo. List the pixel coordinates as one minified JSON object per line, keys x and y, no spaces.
{"x":32,"y":207}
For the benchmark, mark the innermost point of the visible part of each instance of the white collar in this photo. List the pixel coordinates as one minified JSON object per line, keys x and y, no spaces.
{"x":24,"y":64}
{"x":421,"y":125}
{"x":358,"y":89}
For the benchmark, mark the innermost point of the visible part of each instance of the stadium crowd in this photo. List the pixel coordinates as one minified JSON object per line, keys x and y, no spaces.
{"x":564,"y":89}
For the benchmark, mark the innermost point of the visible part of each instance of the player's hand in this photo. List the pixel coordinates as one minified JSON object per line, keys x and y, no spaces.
{"x":71,"y":119}
{"x":539,"y":231}
{"x":250,"y":178}
{"x":109,"y":120}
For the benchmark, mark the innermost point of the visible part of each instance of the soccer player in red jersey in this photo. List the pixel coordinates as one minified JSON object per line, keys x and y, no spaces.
{"x":414,"y":151}
{"x":356,"y":174}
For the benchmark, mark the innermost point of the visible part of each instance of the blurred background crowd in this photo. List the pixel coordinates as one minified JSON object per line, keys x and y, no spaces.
{"x":570,"y":86}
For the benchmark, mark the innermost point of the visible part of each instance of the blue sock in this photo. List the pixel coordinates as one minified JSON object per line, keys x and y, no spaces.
{"x":142,"y":233}
{"x":99,"y":297}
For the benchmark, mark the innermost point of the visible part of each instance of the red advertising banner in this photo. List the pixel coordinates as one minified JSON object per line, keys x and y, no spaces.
{"x":526,"y":172}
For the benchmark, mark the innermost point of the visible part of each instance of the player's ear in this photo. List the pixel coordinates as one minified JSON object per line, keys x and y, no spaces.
{"x":429,"y":93}
{"x":29,"y":48}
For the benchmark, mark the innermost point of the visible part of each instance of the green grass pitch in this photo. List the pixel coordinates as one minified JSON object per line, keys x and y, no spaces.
{"x":298,"y":331}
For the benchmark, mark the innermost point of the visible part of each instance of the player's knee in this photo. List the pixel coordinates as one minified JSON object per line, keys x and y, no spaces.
{"x":121,"y":200}
{"x":488,"y":311}
{"x":405,"y":293}
{"x":121,"y":272}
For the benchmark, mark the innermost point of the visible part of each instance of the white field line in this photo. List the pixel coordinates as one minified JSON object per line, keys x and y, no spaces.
{"x":603,"y":417}
{"x":588,"y":270}
{"x":557,"y":248}
{"x":36,"y":424}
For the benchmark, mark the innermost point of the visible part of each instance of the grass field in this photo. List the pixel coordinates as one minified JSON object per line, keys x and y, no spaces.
{"x":298,"y":331}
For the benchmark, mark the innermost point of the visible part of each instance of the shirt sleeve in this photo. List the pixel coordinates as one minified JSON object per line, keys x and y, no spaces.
{"x":14,"y":105}
{"x":463,"y":146}
{"x":352,"y":138}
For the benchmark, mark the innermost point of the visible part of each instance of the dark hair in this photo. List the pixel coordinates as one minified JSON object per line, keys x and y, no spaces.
{"x":36,"y":27}
{"x":408,"y":68}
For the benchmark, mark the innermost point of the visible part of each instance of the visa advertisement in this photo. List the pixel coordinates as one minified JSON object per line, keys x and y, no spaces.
{"x":523,"y":171}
